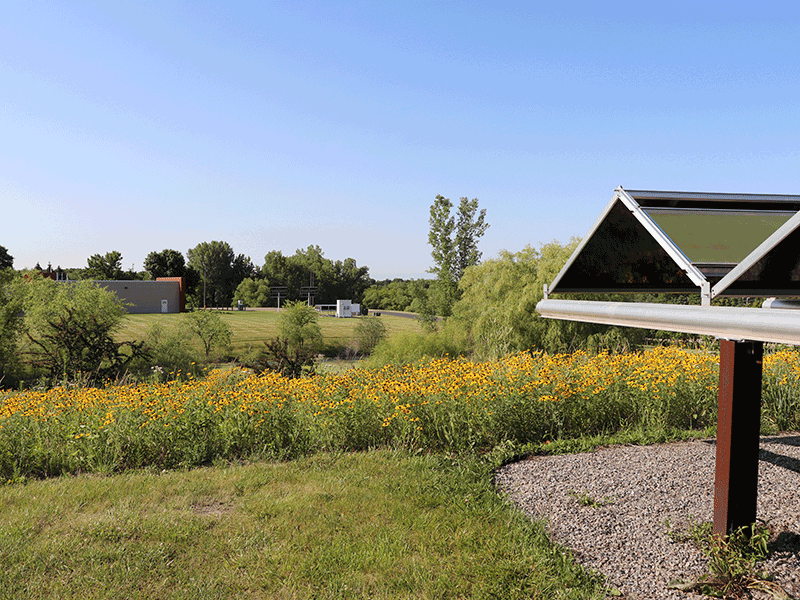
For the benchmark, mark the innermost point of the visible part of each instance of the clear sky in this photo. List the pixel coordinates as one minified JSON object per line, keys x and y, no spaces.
{"x":141,"y":126}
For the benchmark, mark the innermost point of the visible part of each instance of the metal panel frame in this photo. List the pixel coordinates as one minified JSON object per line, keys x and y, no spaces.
{"x":637,"y":202}
{"x":663,"y":239}
{"x":730,"y":197}
{"x":582,"y":243}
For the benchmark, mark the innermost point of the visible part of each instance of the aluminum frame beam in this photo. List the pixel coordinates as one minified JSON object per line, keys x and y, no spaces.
{"x":756,"y":324}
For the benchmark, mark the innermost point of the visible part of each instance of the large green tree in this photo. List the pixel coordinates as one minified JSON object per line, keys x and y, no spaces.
{"x":396,"y":294}
{"x":349,"y":281}
{"x":308,"y":267}
{"x":10,"y":325}
{"x":106,"y":267}
{"x":220,"y":271}
{"x":253,"y":292}
{"x":6,"y":260}
{"x":454,"y":248}
{"x":497,"y":307}
{"x":167,"y":263}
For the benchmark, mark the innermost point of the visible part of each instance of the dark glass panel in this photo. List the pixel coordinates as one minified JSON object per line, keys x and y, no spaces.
{"x":776,"y":274}
{"x":622,"y":256}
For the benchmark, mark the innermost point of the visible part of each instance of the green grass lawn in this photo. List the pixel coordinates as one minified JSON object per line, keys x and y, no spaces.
{"x":379,"y":524}
{"x":251,"y":328}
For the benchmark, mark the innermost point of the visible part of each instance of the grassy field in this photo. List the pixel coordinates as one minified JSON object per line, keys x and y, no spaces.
{"x":251,"y":328}
{"x":381,"y":524}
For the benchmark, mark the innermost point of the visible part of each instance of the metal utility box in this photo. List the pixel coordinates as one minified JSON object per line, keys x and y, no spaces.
{"x":346,"y":309}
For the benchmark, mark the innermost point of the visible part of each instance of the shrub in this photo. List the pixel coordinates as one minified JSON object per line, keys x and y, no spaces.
{"x":279,"y":357}
{"x":172,"y":352}
{"x":369,"y":332}
{"x":70,"y":329}
{"x":299,"y":326}
{"x":408,"y":348}
{"x":209,"y":326}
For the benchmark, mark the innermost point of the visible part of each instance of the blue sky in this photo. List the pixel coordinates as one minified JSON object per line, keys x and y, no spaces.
{"x":276,"y":125}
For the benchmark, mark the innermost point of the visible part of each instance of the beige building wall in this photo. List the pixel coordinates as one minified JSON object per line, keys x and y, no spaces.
{"x":144,"y":297}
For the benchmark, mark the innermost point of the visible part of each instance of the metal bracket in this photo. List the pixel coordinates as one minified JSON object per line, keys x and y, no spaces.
{"x":705,"y":294}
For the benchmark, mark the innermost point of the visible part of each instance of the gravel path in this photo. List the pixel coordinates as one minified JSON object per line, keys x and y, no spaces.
{"x":643,"y":486}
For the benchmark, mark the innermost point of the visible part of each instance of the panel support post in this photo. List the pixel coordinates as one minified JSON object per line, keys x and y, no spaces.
{"x":738,"y":430}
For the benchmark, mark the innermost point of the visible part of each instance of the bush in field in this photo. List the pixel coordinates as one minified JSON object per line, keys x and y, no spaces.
{"x":411,"y":347}
{"x":299,"y":326}
{"x":172,"y":352}
{"x":369,"y":332}
{"x":213,"y":331}
{"x":70,"y":327}
{"x":290,"y":362}
{"x":10,"y":326}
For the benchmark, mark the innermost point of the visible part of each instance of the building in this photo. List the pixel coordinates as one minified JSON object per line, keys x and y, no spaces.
{"x":164,"y":295}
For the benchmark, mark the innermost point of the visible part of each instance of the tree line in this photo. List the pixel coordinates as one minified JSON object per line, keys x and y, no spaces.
{"x":57,"y":333}
{"x":218,"y":277}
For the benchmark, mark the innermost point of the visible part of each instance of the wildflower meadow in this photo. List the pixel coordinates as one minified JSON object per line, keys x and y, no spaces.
{"x":451,"y":405}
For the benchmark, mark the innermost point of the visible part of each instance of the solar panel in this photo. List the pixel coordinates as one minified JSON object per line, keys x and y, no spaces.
{"x":679,"y":242}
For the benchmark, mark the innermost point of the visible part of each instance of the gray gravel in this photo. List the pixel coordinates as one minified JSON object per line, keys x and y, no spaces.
{"x":641,"y":488}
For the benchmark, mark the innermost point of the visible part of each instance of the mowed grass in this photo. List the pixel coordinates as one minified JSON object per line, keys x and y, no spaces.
{"x":251,"y":328}
{"x":380,"y":524}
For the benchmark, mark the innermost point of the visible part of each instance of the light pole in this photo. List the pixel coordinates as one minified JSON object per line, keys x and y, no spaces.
{"x":203,"y":264}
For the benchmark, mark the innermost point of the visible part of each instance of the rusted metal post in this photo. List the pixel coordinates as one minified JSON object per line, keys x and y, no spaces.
{"x":738,"y":429}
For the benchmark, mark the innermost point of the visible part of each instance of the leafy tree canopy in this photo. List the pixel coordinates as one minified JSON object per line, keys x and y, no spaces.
{"x":333,"y":280}
{"x":220,"y":271}
{"x":6,"y":260}
{"x":253,"y":292}
{"x":498,"y":307}
{"x":106,"y":267}
{"x":10,"y":324}
{"x":454,"y":248}
{"x":70,"y":328}
{"x":299,"y":325}
{"x":454,"y":238}
{"x":167,"y":263}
